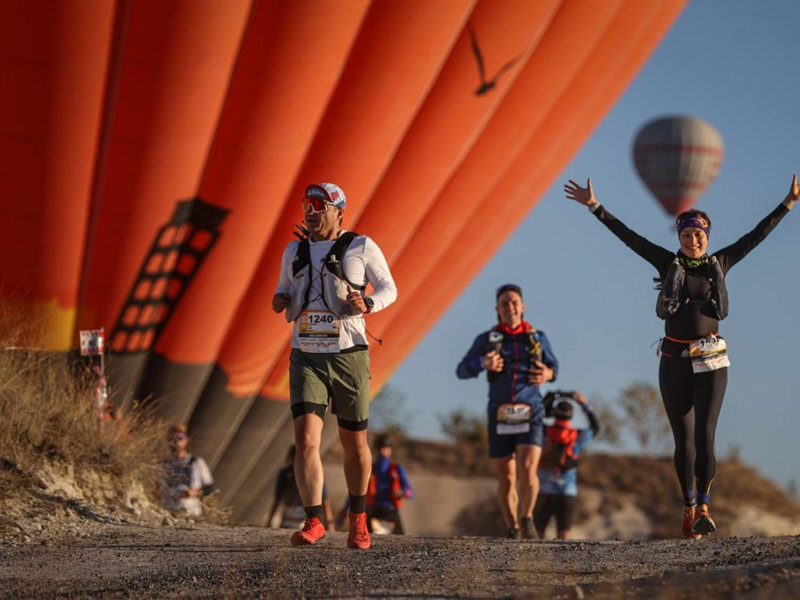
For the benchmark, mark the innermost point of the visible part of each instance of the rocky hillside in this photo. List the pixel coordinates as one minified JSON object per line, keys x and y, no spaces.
{"x":621,"y":497}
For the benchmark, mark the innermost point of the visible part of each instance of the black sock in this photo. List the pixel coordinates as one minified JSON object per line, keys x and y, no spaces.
{"x":358,"y":504}
{"x":313,"y":511}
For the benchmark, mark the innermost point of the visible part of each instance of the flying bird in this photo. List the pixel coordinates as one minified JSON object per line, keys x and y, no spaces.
{"x":487,"y":85}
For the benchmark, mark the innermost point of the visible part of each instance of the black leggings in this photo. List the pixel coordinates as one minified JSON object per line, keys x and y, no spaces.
{"x":693,"y":402}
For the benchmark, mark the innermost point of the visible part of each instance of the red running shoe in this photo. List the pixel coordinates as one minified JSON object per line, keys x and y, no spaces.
{"x":688,"y":522}
{"x":358,"y":537}
{"x":310,"y":534}
{"x":703,"y":523}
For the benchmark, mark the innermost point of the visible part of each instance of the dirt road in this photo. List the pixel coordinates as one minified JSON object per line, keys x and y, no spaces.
{"x":117,"y":561}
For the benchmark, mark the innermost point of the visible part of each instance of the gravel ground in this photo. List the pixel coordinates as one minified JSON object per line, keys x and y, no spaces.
{"x":198,"y":561}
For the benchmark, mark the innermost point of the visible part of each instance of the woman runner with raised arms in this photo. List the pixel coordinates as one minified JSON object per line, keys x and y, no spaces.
{"x":693,"y":371}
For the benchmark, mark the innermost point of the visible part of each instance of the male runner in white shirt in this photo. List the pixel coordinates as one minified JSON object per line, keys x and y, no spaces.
{"x":322,"y":289}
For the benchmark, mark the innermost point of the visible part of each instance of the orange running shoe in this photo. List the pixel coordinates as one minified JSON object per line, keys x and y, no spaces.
{"x":358,"y":537}
{"x":688,"y":522}
{"x":312,"y":532}
{"x":703,"y":523}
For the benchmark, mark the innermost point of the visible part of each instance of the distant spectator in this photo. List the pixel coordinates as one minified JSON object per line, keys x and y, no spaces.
{"x":558,"y":469}
{"x":188,"y":477}
{"x":287,"y":498}
{"x":388,"y":487}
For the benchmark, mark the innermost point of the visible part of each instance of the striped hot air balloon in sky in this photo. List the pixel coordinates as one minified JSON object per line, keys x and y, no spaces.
{"x":678,"y":158}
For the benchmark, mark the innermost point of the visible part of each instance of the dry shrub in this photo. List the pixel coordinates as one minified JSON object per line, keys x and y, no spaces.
{"x":48,"y":415}
{"x":213,"y":512}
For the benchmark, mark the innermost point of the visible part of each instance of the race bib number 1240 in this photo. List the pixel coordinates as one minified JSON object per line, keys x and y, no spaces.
{"x":318,"y":331}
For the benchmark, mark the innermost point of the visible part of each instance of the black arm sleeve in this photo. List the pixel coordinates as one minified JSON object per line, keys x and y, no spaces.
{"x":657,"y":256}
{"x":593,"y":422}
{"x":730,"y":255}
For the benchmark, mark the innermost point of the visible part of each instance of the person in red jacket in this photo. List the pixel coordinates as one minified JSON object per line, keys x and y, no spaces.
{"x":388,"y":488}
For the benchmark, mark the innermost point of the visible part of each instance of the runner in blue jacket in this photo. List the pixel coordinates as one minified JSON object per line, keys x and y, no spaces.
{"x":517,"y":359}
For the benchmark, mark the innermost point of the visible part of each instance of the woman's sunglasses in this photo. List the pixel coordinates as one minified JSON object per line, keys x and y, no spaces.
{"x":317,"y":205}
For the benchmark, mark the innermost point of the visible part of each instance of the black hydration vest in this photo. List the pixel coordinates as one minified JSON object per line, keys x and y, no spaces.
{"x":671,"y":295}
{"x":496,"y":339}
{"x":332,"y":262}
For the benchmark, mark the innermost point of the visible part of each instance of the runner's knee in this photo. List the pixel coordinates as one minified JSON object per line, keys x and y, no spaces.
{"x":307,"y":442}
{"x":354,"y":443}
{"x":506,"y":481}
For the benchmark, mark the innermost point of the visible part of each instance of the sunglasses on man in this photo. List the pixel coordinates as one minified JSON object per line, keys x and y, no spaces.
{"x":316,"y":205}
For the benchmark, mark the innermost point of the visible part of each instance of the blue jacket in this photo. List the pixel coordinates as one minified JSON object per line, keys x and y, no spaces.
{"x":382,"y":470}
{"x":511,"y":385}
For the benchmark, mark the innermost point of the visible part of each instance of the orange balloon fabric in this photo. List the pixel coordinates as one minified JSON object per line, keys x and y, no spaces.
{"x":153,"y":155}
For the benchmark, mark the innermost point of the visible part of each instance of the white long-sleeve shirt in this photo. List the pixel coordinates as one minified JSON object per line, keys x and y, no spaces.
{"x":363,"y":263}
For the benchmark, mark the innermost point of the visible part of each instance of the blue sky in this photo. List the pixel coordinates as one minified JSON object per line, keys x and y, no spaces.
{"x":732,"y":63}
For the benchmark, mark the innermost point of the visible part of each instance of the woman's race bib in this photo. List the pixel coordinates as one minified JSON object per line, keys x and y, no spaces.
{"x":318,"y":332}
{"x":513,"y":418}
{"x":709,"y":354}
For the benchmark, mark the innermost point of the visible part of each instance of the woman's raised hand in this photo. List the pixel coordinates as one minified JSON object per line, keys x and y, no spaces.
{"x":582,"y":195}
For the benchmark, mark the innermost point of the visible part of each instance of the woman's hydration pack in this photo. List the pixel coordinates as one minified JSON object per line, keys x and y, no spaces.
{"x":671,"y":290}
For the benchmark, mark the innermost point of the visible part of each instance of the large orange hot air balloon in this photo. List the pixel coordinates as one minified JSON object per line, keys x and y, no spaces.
{"x":677,"y":157}
{"x":153,"y":154}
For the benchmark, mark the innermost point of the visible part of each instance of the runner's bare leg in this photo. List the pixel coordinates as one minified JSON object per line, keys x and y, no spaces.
{"x":527,"y":464}
{"x":507,"y":489}
{"x":357,"y":460}
{"x":307,"y":461}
